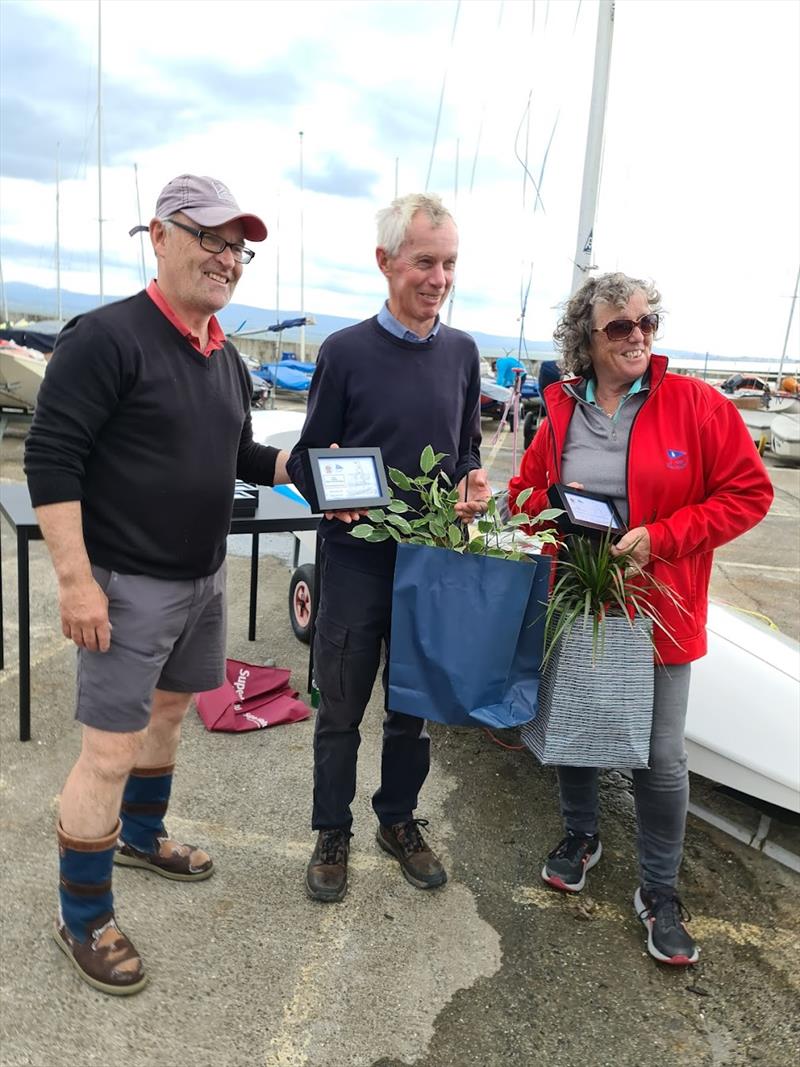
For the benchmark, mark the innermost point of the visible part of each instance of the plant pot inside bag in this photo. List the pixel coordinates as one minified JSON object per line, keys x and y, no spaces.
{"x":596,"y":708}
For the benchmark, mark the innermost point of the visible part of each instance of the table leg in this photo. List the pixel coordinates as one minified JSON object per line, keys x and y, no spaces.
{"x":24,"y":613}
{"x":251,"y":632}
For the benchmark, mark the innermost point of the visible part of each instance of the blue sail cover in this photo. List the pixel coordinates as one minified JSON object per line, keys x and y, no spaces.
{"x":284,"y":377}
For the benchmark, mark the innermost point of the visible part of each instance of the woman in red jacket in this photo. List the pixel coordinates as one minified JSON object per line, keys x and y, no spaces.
{"x":679,"y":464}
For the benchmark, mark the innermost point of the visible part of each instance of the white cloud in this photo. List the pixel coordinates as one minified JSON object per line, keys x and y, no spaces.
{"x":700,"y":171}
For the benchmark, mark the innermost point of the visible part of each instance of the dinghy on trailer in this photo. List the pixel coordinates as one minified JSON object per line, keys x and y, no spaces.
{"x":743,"y":719}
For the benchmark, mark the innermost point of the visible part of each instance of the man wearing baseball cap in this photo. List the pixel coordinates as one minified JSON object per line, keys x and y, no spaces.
{"x":141,"y":426}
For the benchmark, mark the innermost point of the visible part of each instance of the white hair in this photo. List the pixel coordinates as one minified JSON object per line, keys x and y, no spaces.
{"x":395,"y":220}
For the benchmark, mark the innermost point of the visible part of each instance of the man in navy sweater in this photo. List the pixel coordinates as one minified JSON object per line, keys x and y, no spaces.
{"x":400,"y":380}
{"x":142,"y":426}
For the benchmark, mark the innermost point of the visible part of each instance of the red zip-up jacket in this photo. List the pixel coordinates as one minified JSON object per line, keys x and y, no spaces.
{"x":695,"y":481}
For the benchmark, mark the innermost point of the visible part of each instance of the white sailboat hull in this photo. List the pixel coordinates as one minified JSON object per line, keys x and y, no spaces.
{"x":785,"y":436}
{"x":759,"y":420}
{"x":20,"y":378}
{"x":743,"y":720}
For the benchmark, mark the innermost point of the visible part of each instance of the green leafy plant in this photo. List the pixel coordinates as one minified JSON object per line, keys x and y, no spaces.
{"x":435,"y":522}
{"x":592,"y":584}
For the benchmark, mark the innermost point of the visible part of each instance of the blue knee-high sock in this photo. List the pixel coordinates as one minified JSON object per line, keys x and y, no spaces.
{"x":85,"y":880}
{"x":144,"y":805}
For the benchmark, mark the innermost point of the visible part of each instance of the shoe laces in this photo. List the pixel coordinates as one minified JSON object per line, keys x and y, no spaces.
{"x":411,"y":840}
{"x":666,"y":905}
{"x":333,"y":846}
{"x":571,"y":847}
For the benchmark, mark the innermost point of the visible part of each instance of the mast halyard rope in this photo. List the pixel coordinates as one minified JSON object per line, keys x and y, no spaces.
{"x":441,"y":97}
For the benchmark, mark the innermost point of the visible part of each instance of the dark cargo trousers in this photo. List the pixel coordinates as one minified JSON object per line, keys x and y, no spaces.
{"x":353,"y":623}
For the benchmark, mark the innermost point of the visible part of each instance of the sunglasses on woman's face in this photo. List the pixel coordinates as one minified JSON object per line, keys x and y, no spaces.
{"x":621,"y":329}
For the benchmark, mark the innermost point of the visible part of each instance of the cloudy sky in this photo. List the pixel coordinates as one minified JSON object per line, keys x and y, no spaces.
{"x":700,"y":175}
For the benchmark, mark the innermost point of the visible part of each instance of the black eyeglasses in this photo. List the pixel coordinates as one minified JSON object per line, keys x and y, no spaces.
{"x":621,"y":329}
{"x":211,"y":242}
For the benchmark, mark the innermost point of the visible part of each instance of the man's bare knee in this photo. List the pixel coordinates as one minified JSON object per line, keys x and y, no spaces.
{"x":110,"y":756}
{"x":170,"y":707}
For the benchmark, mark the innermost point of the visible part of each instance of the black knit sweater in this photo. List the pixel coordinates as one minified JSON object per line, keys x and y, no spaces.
{"x":149,"y":435}
{"x":373,"y":389}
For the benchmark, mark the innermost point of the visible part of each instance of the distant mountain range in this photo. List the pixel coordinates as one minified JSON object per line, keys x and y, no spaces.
{"x":26,"y":300}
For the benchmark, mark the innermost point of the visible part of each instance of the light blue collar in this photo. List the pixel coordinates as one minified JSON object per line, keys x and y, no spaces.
{"x":591,"y":398}
{"x":396,"y":328}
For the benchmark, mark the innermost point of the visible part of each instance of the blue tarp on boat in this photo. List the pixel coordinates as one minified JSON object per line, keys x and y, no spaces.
{"x":284,"y":377}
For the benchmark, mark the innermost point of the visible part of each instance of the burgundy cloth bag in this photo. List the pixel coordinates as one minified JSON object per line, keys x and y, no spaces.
{"x":250,"y":698}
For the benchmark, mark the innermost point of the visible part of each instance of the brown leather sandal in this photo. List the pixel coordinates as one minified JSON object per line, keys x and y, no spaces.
{"x":106,"y":960}
{"x":182,"y":863}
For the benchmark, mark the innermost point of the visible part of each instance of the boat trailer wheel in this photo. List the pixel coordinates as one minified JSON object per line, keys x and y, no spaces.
{"x":301,"y":601}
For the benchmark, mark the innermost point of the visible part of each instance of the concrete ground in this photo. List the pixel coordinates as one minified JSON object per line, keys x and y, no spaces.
{"x":494,"y":970}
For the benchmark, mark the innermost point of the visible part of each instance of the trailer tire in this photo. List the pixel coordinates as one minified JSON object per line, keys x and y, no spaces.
{"x":301,"y":601}
{"x":529,"y":428}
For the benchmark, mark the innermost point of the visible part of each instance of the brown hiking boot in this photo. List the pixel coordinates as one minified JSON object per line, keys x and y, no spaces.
{"x":181,"y":863}
{"x":326,"y":876}
{"x":106,"y":959}
{"x":418,"y":862}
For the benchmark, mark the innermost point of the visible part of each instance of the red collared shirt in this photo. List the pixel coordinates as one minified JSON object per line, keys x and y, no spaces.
{"x":216,"y":338}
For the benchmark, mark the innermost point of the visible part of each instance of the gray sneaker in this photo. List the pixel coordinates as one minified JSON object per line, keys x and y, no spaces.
{"x":567,"y":864}
{"x":663,"y":914}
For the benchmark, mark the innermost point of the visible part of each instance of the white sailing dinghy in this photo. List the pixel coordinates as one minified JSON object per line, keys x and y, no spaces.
{"x":743,"y":720}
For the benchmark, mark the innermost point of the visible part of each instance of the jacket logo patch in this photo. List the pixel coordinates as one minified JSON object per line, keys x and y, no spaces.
{"x":676,"y":460}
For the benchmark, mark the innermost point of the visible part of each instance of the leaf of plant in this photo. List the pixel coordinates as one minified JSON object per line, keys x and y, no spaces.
{"x":523,"y":497}
{"x":455,"y":536}
{"x":400,"y":523}
{"x":427,"y":460}
{"x":399,"y":479}
{"x":393,"y":533}
{"x":377,"y":535}
{"x":362,"y":531}
{"x":398,"y":507}
{"x":376,"y":515}
{"x":491,"y":506}
{"x":519,"y":520}
{"x":548,"y":515}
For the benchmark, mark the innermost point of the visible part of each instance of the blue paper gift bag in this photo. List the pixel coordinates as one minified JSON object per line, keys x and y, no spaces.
{"x":467,"y":636}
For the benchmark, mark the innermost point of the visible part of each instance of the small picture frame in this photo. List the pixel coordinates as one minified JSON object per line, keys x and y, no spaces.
{"x":347,"y":479}
{"x":585,"y":513}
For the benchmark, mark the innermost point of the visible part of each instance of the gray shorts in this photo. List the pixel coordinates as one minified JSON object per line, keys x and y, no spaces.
{"x":164,"y":635}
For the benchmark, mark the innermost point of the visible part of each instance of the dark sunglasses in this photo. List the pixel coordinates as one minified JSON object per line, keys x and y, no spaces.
{"x":621,"y":329}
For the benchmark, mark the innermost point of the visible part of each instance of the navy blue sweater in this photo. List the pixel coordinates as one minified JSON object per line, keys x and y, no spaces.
{"x":372,"y":389}
{"x":149,"y":435}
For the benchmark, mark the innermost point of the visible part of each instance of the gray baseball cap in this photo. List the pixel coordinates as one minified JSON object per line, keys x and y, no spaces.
{"x":208,"y":202}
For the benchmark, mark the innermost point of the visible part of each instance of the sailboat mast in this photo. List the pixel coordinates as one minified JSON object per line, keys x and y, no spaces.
{"x":58,"y":232}
{"x":139,"y":217}
{"x":100,"y":145}
{"x":594,"y":143}
{"x":788,"y":329}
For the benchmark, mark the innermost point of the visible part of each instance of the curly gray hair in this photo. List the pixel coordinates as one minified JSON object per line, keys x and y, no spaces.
{"x":394,"y":220}
{"x":573,"y":334}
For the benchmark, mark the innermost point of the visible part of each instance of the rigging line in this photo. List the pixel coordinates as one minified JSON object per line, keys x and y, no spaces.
{"x":577,"y":16}
{"x":483,"y":107}
{"x":546,"y":154}
{"x":521,"y":161}
{"x":441,"y":97}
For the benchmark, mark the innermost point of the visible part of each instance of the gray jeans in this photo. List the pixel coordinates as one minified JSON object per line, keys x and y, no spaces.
{"x":661,"y":792}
